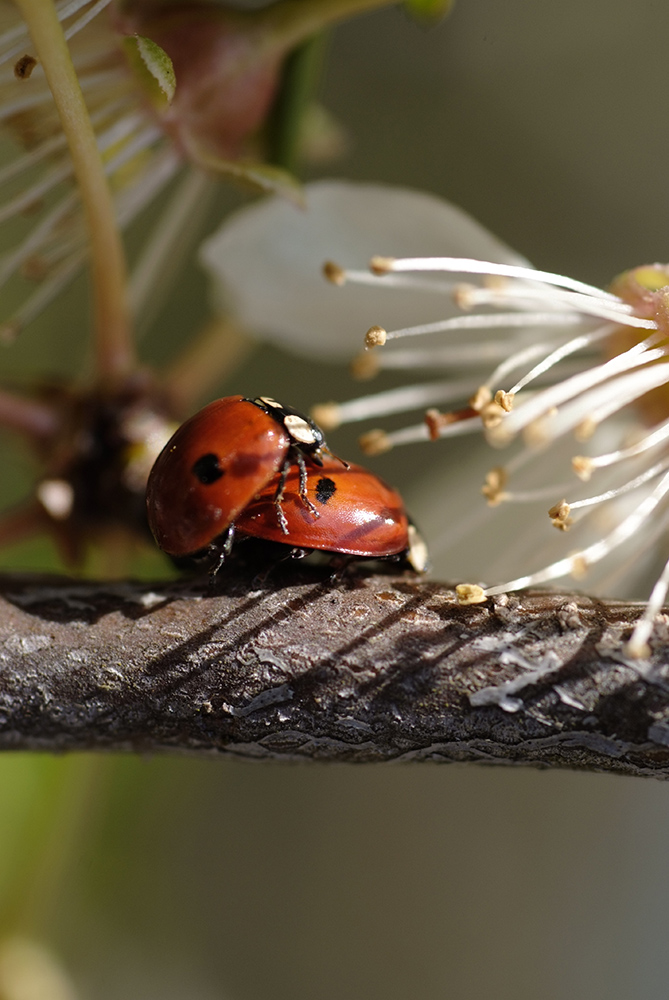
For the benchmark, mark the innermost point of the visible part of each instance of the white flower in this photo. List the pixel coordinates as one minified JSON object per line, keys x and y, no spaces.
{"x":266,"y":261}
{"x":530,"y":357}
{"x":40,"y":209}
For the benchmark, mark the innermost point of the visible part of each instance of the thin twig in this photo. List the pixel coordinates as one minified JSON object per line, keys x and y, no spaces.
{"x":378,"y":668}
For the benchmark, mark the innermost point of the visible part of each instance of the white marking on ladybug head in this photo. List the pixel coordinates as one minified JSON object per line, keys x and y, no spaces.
{"x":268,"y":401}
{"x":299,"y":429}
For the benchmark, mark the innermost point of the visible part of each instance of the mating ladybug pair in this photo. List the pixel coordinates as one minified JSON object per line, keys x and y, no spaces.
{"x":254,"y":467}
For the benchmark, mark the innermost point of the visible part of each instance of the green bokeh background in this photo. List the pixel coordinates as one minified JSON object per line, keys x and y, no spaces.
{"x":220,"y":879}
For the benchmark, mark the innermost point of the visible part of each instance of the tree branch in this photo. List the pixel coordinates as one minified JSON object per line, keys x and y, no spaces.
{"x":377,"y":668}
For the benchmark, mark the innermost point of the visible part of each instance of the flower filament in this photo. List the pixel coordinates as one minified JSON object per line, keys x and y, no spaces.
{"x":550,"y":335}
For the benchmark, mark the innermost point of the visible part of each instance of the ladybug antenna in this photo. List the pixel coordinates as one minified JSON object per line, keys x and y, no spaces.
{"x":324,"y":448}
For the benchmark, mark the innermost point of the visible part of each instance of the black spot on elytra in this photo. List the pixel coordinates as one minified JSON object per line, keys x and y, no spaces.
{"x":207,"y":469}
{"x":325,"y":488}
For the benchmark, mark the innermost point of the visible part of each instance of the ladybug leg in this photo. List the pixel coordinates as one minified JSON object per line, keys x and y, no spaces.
{"x":293,"y":553}
{"x":223,"y":552}
{"x":303,"y":484}
{"x":340,"y":567}
{"x":278,"y":498}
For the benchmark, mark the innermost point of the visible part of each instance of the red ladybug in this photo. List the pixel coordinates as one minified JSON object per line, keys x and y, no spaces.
{"x":232,"y":467}
{"x":218,"y":460}
{"x":358,"y":513}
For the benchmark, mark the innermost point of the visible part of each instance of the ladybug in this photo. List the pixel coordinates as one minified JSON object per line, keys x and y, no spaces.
{"x":263,"y":470}
{"x":359,"y":515}
{"x":218,"y":460}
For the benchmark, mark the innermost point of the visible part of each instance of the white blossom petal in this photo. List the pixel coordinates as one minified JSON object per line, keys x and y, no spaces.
{"x":266,"y":262}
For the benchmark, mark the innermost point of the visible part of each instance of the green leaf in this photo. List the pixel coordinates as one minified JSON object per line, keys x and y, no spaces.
{"x":428,"y":10}
{"x":154,"y":69}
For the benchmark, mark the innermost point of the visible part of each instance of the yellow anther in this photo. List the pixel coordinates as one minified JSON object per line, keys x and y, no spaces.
{"x":334,"y":273}
{"x":493,"y":489}
{"x":505,"y":400}
{"x":375,"y":442}
{"x":327,"y":415}
{"x":365,"y":365}
{"x":381,"y":265}
{"x":559,"y":515}
{"x":470,"y":593}
{"x":582,"y":466}
{"x":481,"y":398}
{"x":585,"y":429}
{"x":375,"y":337}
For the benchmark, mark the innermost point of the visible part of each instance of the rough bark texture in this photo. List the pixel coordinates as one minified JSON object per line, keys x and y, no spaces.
{"x":378,"y":668}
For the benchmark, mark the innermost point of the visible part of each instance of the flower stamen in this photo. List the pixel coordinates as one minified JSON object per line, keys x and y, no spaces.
{"x":85,"y":19}
{"x":618,"y":491}
{"x":20,"y":31}
{"x":638,"y":646}
{"x":415,"y":433}
{"x":593,"y":553}
{"x":584,"y":413}
{"x":585,"y":465}
{"x":408,"y":397}
{"x":466,"y":265}
{"x":560,"y":353}
{"x":484,"y":321}
{"x":493,"y":489}
{"x":376,"y":336}
{"x":436,"y":421}
{"x":559,"y":515}
{"x":576,"y":386}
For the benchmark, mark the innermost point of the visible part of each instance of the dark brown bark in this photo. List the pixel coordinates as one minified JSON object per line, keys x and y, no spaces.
{"x":374,"y":669}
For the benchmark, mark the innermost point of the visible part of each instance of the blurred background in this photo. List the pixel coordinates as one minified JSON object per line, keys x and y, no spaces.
{"x":220,"y":879}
